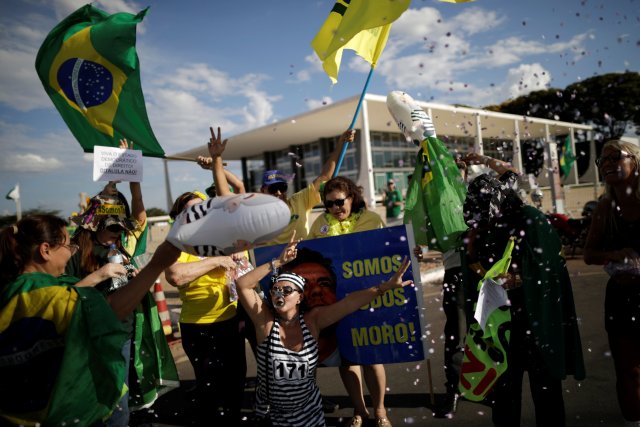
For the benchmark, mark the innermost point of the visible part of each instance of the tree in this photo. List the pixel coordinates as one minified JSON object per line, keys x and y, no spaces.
{"x":608,"y":102}
{"x":156,"y":212}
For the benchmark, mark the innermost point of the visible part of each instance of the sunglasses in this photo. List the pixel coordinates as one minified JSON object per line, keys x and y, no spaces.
{"x":338,"y":202}
{"x":279,"y":186}
{"x":284,"y":290}
{"x":114,"y":228}
{"x":72,"y":248}
{"x":613,"y":158}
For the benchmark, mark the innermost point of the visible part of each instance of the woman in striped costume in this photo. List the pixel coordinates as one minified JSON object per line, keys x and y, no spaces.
{"x":287,"y":394}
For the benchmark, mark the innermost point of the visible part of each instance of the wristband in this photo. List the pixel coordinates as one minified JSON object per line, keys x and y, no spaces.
{"x":379,"y":290}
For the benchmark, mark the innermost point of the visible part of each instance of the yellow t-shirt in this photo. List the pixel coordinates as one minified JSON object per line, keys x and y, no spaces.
{"x":300,"y":204}
{"x":206,"y":299}
{"x":368,"y":220}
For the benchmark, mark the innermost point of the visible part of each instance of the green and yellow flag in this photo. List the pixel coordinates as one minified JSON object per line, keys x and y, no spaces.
{"x":359,"y":25}
{"x":89,"y":68}
{"x":567,"y":157}
{"x":435,"y":197}
{"x":61,"y":357}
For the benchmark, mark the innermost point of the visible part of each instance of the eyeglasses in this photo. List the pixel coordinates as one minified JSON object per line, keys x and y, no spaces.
{"x":613,"y":158}
{"x":114,"y":228}
{"x":278,"y":186}
{"x":284,"y":290}
{"x":73,"y":248}
{"x":338,"y":202}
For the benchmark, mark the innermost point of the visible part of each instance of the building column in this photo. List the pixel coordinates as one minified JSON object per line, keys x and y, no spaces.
{"x":574,"y":167}
{"x":167,"y":185}
{"x":365,"y":176}
{"x":557,"y":193}
{"x":478,"y":147}
{"x":517,"y":149}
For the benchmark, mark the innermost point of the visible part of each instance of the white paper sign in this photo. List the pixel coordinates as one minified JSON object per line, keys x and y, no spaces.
{"x":117,"y":164}
{"x":492,"y":296}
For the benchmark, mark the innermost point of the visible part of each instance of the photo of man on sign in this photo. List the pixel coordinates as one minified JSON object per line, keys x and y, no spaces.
{"x":319,"y":290}
{"x":386,"y":331}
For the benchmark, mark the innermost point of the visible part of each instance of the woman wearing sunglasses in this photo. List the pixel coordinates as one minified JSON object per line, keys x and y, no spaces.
{"x":287,"y":356}
{"x":61,"y":344}
{"x":108,"y":221}
{"x":345,"y":213}
{"x":614,"y":240}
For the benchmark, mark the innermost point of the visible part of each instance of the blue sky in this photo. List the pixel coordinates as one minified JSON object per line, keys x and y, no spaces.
{"x":243,"y":64}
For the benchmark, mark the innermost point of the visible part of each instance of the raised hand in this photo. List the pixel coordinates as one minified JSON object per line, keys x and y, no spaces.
{"x":205,"y":162}
{"x":348,"y":135}
{"x":126,"y":145}
{"x":290,"y":252}
{"x":396,"y":280}
{"x":216,"y":145}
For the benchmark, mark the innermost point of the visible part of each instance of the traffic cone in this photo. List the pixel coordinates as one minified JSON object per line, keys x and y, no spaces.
{"x":163,"y":309}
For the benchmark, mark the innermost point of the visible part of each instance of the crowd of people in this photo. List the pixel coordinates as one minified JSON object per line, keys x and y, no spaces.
{"x":70,"y":335}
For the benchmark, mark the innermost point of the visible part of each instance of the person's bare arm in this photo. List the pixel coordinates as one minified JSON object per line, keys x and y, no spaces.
{"x":107,"y":271}
{"x":330,"y":165}
{"x":235,"y":182}
{"x":124,"y":300}
{"x":216,"y":147}
{"x":498,"y":166}
{"x":256,"y":309}
{"x":138,"y":211}
{"x":182,"y":273}
{"x":328,"y":315}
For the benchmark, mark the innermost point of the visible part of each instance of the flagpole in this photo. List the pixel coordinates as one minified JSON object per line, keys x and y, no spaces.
{"x":18,"y":209}
{"x":353,"y":122}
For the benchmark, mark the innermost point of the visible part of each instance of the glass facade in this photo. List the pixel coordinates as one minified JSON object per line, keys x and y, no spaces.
{"x":393,"y":158}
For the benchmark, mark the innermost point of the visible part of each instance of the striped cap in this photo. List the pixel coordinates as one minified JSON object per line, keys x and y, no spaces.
{"x":293,"y":278}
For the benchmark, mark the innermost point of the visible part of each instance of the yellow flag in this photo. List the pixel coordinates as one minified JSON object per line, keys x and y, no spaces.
{"x":359,"y":25}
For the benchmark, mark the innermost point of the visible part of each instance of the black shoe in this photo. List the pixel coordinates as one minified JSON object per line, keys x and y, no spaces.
{"x":329,"y":406}
{"x":448,"y":407}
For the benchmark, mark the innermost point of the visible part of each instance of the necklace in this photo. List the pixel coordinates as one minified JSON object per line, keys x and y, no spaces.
{"x":288,"y":322}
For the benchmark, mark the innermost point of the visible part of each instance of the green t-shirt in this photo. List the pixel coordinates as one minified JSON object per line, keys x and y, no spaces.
{"x":393,"y":210}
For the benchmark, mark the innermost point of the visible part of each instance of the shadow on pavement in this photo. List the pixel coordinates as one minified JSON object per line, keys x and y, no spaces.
{"x":178,"y":407}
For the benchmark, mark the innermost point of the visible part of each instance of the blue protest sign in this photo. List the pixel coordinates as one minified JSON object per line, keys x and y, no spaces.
{"x":388,"y":330}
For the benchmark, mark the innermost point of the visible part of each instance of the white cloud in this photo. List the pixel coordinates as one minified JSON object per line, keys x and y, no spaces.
{"x":24,"y":150}
{"x":181,"y":108}
{"x":448,"y":51}
{"x":29,"y":162}
{"x":64,"y":7}
{"x":526,"y":78}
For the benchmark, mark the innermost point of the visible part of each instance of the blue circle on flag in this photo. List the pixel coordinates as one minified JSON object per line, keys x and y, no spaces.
{"x":84,"y":82}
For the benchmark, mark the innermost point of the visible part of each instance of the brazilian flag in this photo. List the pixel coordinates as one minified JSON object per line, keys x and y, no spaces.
{"x":435,"y":197}
{"x":61,"y":357}
{"x":567,"y":158}
{"x":89,"y":67}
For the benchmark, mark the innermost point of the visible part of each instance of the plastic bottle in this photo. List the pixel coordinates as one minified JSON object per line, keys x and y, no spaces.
{"x":114,"y":255}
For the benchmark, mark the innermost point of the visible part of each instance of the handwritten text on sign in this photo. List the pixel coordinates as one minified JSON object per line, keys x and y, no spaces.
{"x":117,"y":164}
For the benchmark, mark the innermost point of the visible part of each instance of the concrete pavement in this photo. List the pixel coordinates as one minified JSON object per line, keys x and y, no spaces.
{"x":588,"y":403}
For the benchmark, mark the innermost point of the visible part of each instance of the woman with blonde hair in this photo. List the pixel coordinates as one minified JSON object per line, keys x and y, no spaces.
{"x":614,"y":241}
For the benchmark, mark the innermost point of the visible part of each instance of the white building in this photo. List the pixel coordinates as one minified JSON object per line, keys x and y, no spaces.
{"x":300,"y":144}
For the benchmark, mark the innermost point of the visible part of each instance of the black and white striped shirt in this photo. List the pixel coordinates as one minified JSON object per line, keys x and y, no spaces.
{"x":287,"y":389}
